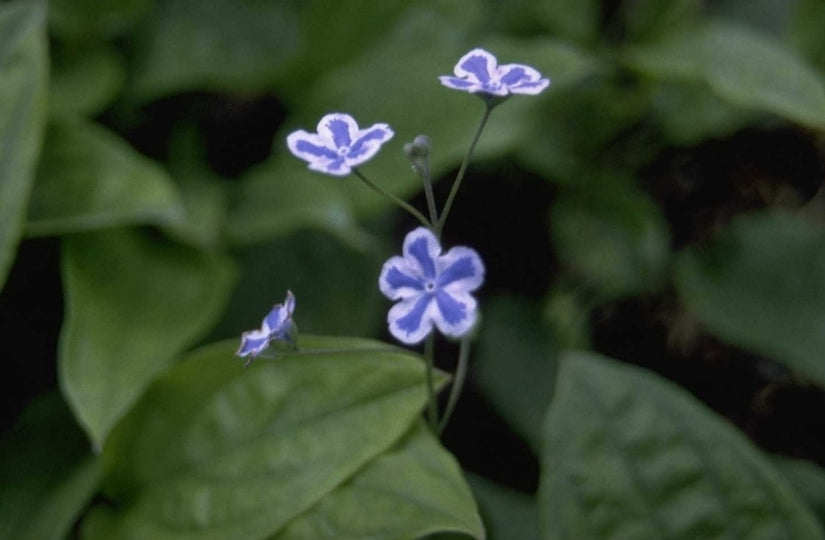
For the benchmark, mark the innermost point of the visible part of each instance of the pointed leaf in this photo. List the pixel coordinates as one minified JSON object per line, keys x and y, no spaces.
{"x":133,"y":304}
{"x":45,"y":485}
{"x":742,"y":66}
{"x":630,"y":455}
{"x":760,"y":284}
{"x":614,"y":239}
{"x":71,"y":91}
{"x":214,"y":451}
{"x":88,"y":178}
{"x":808,"y":479}
{"x":23,"y":90}
{"x":413,"y":490}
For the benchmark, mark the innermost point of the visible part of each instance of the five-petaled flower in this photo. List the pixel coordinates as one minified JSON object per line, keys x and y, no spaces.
{"x":478,"y":72}
{"x":432,"y":288}
{"x":277,"y":326}
{"x":339,"y":145}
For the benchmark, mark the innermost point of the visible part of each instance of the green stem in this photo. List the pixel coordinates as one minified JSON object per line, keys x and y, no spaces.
{"x":418,"y":215}
{"x":439,"y":226}
{"x":428,"y":191}
{"x":458,"y":383}
{"x":432,"y":404}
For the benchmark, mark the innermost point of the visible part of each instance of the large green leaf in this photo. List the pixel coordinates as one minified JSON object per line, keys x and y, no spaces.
{"x":413,"y":490}
{"x":612,"y":238}
{"x":86,"y":81}
{"x":88,"y":178}
{"x":89,"y":20}
{"x":44,"y":485}
{"x":742,"y":66}
{"x":805,"y":31}
{"x":216,"y":451}
{"x":629,"y":455}
{"x":189,"y":45}
{"x":760,"y":284}
{"x":133,"y":304}
{"x":24,"y":74}
{"x":516,"y":365}
{"x":808,"y":479}
{"x":507,"y":514}
{"x":651,"y":19}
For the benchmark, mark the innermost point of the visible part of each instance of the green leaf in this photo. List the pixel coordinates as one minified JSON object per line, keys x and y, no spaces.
{"x":214,"y":451}
{"x":45,"y":485}
{"x":88,"y":178}
{"x":516,"y":365}
{"x":88,"y":20}
{"x":653,"y":19}
{"x":507,"y":514}
{"x":213,"y":45}
{"x":133,"y":303}
{"x":760,"y":284}
{"x":709,"y":115}
{"x":413,"y":490}
{"x":612,"y":238}
{"x":322,"y":272}
{"x":805,"y":31}
{"x":24,"y":75}
{"x":742,"y":66}
{"x":808,"y":479}
{"x":281,"y":196}
{"x":630,"y":455}
{"x":85,"y":82}
{"x":580,"y":126}
{"x":574,"y":20}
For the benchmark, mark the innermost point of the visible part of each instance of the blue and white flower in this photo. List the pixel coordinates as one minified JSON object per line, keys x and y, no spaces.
{"x":432,"y":288}
{"x":339,"y":145}
{"x":277,"y":326}
{"x":478,"y":72}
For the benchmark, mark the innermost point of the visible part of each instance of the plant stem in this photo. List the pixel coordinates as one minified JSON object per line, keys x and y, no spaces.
{"x":428,"y":191}
{"x":439,"y":226}
{"x":432,"y":404}
{"x":418,"y":215}
{"x":458,"y":383}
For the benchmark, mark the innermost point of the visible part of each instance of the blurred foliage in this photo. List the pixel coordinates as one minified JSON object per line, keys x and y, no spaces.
{"x":146,"y":139}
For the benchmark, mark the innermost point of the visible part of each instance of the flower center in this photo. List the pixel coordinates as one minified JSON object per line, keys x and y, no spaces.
{"x":342,"y":151}
{"x":430,"y":286}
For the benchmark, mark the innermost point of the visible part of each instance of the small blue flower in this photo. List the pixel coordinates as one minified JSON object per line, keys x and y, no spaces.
{"x":339,"y":145}
{"x":432,"y":288}
{"x":478,"y":72}
{"x":276,"y":326}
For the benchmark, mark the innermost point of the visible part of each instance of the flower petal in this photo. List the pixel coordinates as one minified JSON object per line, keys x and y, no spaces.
{"x":398,"y":280}
{"x":310,"y":147}
{"x":460,"y":270}
{"x":459,"y":84}
{"x":335,"y":167}
{"x":278,"y":318}
{"x":367,"y":142}
{"x":456,"y":314}
{"x":421,"y":248}
{"x":411,"y":320}
{"x":338,"y":128}
{"x":478,"y":65}
{"x":530,"y":87}
{"x":253,"y":343}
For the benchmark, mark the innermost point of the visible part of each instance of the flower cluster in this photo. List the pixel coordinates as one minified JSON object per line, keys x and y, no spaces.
{"x":432,"y":288}
{"x":277,"y":326}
